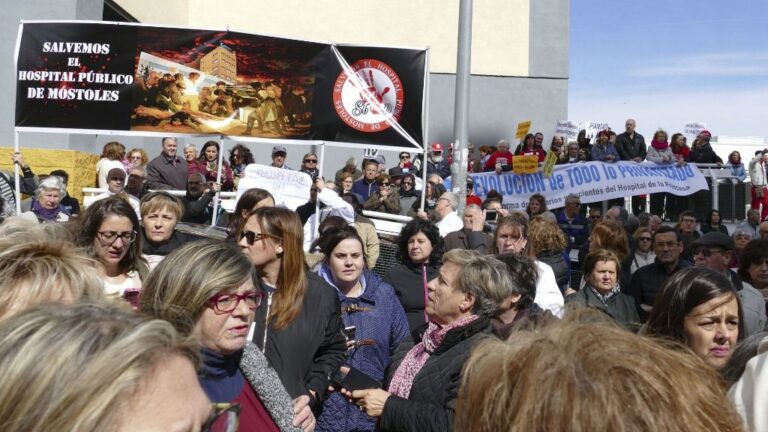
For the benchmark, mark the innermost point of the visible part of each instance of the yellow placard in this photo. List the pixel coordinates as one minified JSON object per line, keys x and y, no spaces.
{"x":525,"y":164}
{"x":549,"y":163}
{"x":522,"y":129}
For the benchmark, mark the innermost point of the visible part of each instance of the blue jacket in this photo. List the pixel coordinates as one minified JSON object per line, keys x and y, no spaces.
{"x":576,"y":231}
{"x":381,"y":320}
{"x":599,"y":153}
{"x":365,"y":190}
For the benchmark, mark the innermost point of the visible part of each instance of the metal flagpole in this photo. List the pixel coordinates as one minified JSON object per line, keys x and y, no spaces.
{"x":461,"y":105}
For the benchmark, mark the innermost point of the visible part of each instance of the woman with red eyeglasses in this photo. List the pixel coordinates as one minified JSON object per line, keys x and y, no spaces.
{"x":205,"y":289}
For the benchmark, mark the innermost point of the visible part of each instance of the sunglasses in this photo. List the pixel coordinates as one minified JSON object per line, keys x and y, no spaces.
{"x":252,"y":237}
{"x":383,"y":184}
{"x":407,"y":183}
{"x":596,"y":217}
{"x":310,"y":160}
{"x":405,"y":157}
{"x":644,"y":239}
{"x":706,"y":252}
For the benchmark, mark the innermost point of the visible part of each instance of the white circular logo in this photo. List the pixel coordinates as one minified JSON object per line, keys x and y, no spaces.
{"x":371,"y":98}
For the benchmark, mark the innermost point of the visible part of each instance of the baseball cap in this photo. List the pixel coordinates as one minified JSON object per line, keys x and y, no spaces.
{"x":279,"y":149}
{"x":379,"y":158}
{"x":437,"y":147}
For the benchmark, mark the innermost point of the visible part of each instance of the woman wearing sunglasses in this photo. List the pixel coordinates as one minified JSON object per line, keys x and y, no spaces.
{"x":643,"y":254}
{"x":205,"y":289}
{"x":385,"y":200}
{"x":299,"y":326}
{"x":108,"y":231}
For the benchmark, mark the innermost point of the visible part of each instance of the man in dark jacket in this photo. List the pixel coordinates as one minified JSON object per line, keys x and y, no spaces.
{"x":575,"y":226}
{"x":167,"y":171}
{"x":367,"y":186}
{"x":436,"y":163}
{"x":472,"y":235}
{"x":647,"y":280}
{"x":198,"y":199}
{"x":631,"y":147}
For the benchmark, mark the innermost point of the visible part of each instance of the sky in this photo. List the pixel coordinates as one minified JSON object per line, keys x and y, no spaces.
{"x":669,"y":62}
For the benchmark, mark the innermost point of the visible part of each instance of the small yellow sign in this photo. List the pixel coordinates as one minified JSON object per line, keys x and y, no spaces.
{"x":549,"y":163}
{"x":522,"y":129}
{"x":525,"y":164}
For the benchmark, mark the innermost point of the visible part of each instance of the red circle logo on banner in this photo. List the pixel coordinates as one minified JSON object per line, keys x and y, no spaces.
{"x":371,"y":99}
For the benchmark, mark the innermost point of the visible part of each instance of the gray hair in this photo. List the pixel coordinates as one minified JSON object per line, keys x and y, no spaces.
{"x":452,"y":198}
{"x":485,"y":277}
{"x":189,"y":145}
{"x":51,"y":182}
{"x":572,"y":198}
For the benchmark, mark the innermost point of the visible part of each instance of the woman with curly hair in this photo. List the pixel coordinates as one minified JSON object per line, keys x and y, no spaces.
{"x":420,"y":249}
{"x":547,"y":243}
{"x":208,"y":165}
{"x":239,"y":158}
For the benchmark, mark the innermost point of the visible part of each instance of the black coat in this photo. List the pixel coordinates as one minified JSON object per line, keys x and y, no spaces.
{"x":309,"y":349}
{"x":560,"y":267}
{"x":432,"y":402}
{"x":408,"y":283}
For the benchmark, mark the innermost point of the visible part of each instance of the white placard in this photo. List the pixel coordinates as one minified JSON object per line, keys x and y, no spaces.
{"x":290,"y":188}
{"x":593,"y":128}
{"x":693,"y":128}
{"x":567,"y":128}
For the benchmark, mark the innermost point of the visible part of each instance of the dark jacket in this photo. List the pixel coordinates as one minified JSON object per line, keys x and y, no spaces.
{"x":471,"y":240}
{"x":704,"y":154}
{"x":442,"y":168}
{"x":531,"y":316}
{"x":390,"y":205}
{"x":177,"y":240}
{"x":630,"y":148}
{"x":311,"y":347}
{"x":432,"y":402}
{"x":621,"y":306}
{"x":365,"y":189}
{"x":559,"y":265}
{"x":380,"y":320}
{"x":407,"y":281}
{"x":576,"y":230}
{"x":197,"y":210}
{"x":164,"y":173}
{"x":647,"y":281}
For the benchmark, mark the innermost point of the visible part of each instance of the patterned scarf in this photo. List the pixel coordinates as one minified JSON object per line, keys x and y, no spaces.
{"x":403,"y":378}
{"x":605,"y":297}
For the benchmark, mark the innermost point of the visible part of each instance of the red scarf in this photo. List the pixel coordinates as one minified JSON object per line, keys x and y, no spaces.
{"x":659,"y":145}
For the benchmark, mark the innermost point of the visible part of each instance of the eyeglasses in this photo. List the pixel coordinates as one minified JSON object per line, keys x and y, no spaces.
{"x":224,"y":418}
{"x":644,"y":239}
{"x":706,"y":252}
{"x":383,"y":184}
{"x":109,"y":237}
{"x":407,"y":183}
{"x":310,"y":160}
{"x":595,"y":217}
{"x":405,"y":157}
{"x":136,"y":157}
{"x":252,"y":237}
{"x":226,"y":303}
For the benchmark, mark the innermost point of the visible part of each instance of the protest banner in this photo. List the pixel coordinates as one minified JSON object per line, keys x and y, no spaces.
{"x":593,"y":128}
{"x":525,"y":164}
{"x":592,"y":181}
{"x":693,"y":128}
{"x":522,"y":129}
{"x":95,"y":77}
{"x":289,"y":188}
{"x":549,"y":164}
{"x":567,"y":129}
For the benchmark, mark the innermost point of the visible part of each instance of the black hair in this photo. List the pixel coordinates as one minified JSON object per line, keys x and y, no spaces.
{"x":755,"y":250}
{"x":414,"y":227}
{"x":683,"y":292}
{"x":332,"y":236}
{"x":524,"y":276}
{"x":61,"y":173}
{"x":246,"y":156}
{"x":667,"y":229}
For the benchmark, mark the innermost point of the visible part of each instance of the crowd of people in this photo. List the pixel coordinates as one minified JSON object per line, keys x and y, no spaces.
{"x":284,"y":325}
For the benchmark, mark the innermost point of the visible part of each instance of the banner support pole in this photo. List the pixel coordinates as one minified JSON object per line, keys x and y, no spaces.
{"x":218,"y":181}
{"x":16,"y":176}
{"x":316,"y":220}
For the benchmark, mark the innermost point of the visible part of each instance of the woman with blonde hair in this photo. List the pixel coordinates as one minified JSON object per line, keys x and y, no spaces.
{"x":589,"y":376}
{"x":547,"y":243}
{"x":160,"y":213}
{"x":39,"y":270}
{"x":205,"y":289}
{"x":610,"y":236}
{"x":299,"y":327}
{"x":97,"y":367}
{"x":111,"y":157}
{"x":137,"y":157}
